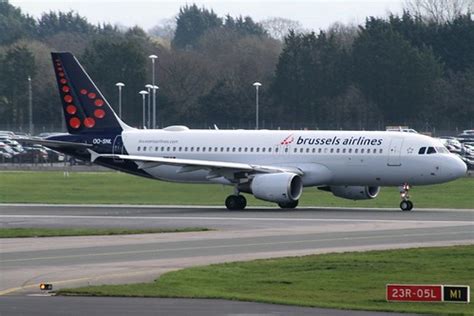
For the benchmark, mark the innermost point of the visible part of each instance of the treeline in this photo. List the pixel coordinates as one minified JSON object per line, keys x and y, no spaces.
{"x":399,"y":70}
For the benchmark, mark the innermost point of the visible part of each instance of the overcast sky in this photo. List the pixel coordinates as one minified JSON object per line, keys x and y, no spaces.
{"x":313,"y":14}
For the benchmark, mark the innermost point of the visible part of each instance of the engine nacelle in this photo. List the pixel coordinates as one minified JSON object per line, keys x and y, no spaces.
{"x":277,"y":187}
{"x":355,"y":192}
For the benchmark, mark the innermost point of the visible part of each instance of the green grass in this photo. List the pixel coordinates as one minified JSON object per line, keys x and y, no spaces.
{"x":348,"y":281}
{"x":119,"y":188}
{"x":57,"y":232}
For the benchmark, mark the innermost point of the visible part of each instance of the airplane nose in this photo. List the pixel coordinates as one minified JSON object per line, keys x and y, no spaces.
{"x":458,"y":167}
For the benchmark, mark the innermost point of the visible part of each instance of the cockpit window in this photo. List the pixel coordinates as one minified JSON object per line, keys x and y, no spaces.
{"x":431,"y":150}
{"x":442,"y":150}
{"x":422,"y":151}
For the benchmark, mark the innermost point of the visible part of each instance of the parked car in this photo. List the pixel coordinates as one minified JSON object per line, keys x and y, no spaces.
{"x":34,"y":154}
{"x":54,"y":156}
{"x":16,"y":146}
{"x":7,"y":153}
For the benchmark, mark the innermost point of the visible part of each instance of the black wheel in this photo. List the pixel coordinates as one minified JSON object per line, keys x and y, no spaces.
{"x":406,"y":205}
{"x":242,"y":202}
{"x":235,"y":202}
{"x":292,"y":204}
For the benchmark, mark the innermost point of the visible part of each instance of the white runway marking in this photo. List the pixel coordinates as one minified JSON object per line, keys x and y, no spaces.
{"x":212,"y":218}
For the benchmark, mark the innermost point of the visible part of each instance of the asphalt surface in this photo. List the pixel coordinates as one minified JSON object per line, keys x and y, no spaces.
{"x":237,"y":235}
{"x":15,"y":305}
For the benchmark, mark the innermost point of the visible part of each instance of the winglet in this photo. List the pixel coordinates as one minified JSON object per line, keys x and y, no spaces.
{"x":94,"y":155}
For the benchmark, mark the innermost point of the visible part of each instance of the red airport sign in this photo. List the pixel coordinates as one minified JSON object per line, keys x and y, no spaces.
{"x":428,"y":293}
{"x":414,"y":293}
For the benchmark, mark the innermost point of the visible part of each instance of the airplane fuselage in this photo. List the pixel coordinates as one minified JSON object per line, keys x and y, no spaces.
{"x":326,"y":157}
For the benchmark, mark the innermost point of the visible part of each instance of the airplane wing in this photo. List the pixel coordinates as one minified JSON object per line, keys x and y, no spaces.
{"x":188,"y":165}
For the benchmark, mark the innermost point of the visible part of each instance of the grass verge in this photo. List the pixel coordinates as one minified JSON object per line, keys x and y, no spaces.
{"x":347,"y":281}
{"x":61,"y":232}
{"x":119,"y":188}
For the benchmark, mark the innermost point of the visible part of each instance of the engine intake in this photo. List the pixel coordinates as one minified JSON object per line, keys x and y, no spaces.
{"x":277,"y":187}
{"x":355,"y":192}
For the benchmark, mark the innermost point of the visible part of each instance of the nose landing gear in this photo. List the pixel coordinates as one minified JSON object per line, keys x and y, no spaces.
{"x":405,"y":204}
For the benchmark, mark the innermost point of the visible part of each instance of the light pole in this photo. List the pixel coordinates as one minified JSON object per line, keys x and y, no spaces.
{"x":120,"y":85}
{"x":143,"y":93}
{"x":30,"y":106}
{"x":155,"y":91}
{"x":256,"y":85}
{"x":149,"y":87}
{"x":153,"y":57}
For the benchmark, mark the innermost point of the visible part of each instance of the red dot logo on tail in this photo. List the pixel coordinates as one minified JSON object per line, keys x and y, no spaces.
{"x":89,"y":122}
{"x":71,"y":109}
{"x":75,"y":122}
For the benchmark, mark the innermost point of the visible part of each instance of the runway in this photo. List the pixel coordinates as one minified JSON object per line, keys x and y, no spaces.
{"x":236,"y":235}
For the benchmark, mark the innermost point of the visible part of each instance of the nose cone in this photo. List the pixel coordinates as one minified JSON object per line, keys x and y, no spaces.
{"x":457,"y":167}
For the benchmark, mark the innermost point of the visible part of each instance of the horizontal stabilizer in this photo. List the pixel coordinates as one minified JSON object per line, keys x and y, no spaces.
{"x":53,"y":144}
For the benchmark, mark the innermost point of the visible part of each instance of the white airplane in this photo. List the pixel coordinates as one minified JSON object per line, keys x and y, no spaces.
{"x":272,"y":165}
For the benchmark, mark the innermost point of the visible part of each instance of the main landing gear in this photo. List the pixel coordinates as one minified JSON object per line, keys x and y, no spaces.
{"x":405,"y":204}
{"x":235,"y":202}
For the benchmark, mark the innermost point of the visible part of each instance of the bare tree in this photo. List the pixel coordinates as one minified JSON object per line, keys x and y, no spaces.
{"x":164,"y":29}
{"x":439,"y":11}
{"x":278,"y":28}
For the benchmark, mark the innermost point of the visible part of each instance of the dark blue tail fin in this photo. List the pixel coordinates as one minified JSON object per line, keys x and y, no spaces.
{"x":85,"y":108}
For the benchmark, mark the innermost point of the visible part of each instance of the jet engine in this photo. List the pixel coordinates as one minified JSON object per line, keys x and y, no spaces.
{"x":355,"y":192}
{"x":277,"y":187}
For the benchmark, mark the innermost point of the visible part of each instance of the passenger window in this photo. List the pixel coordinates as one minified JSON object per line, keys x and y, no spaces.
{"x":233,"y":149}
{"x":257,"y":149}
{"x":307,"y":150}
{"x":162,"y":148}
{"x":295,"y":150}
{"x":144,"y":148}
{"x":350,"y":150}
{"x":251,"y":149}
{"x":368,"y":150}
{"x":263,"y":149}
{"x":431,"y":150}
{"x":245,"y":149}
{"x":381,"y":150}
{"x":422,"y":151}
{"x":301,"y":150}
{"x":319,"y":150}
{"x":314,"y":150}
{"x":337,"y":150}
{"x":276,"y":150}
{"x":138,"y":148}
{"x":356,"y":151}
{"x":269,"y":149}
{"x":185,"y":148}
{"x":167,"y":149}
{"x":191,"y":149}
{"x":286,"y":149}
{"x":197,"y":148}
{"x":174,"y":148}
{"x":156,"y":148}
{"x":180,"y":148}
{"x":343,"y":150}
{"x":240,"y":149}
{"x":332,"y":150}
